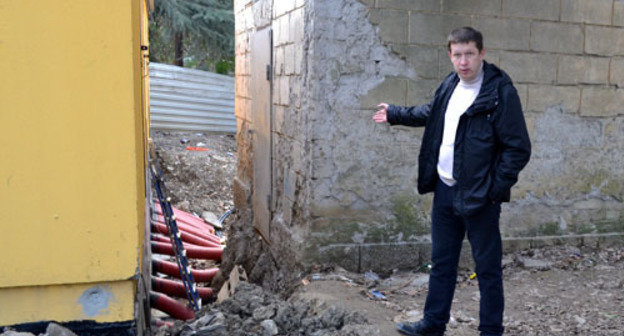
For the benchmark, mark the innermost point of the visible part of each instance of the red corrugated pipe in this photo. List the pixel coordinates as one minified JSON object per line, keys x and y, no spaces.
{"x":170,"y":306}
{"x":188,"y":218}
{"x":185,"y":236}
{"x":176,"y":288}
{"x":211,"y":253}
{"x":192,"y":230}
{"x":171,"y":269}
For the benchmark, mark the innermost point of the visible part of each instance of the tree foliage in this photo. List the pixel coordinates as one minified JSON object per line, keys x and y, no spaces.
{"x":193,"y":33}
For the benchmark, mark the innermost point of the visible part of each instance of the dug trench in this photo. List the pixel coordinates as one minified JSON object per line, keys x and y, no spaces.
{"x":553,"y":290}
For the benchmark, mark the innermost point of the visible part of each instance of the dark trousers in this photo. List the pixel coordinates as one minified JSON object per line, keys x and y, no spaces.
{"x":447,"y":234}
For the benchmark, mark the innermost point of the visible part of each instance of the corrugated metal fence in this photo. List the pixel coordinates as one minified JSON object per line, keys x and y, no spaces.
{"x":190,"y":100}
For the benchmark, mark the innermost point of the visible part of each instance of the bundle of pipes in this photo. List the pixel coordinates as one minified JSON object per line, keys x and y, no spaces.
{"x":200,"y":242}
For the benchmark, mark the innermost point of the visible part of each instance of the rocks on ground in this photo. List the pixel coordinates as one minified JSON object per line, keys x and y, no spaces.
{"x":253,"y":311}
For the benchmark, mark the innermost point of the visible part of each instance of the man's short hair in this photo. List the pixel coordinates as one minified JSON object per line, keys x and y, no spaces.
{"x":465,"y":35}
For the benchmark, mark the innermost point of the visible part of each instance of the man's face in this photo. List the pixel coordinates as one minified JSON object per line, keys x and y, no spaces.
{"x":466,"y":59}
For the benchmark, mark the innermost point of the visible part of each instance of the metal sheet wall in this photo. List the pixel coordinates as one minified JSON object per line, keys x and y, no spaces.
{"x":191,"y":100}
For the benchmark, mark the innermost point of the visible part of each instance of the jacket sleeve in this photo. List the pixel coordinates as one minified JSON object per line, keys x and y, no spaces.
{"x":515,"y":146}
{"x":408,"y":116}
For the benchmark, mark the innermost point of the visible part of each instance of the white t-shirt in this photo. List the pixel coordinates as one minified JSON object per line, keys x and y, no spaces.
{"x":463,"y":96}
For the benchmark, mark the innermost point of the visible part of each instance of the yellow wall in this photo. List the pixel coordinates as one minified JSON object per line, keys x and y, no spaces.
{"x":71,"y":148}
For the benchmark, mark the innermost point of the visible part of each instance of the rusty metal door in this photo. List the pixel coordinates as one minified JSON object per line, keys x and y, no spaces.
{"x":261,"y":79}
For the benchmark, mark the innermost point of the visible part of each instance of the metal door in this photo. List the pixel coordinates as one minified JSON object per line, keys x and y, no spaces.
{"x":261,"y":79}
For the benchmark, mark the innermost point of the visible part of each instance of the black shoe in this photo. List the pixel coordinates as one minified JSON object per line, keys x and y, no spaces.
{"x":420,"y":328}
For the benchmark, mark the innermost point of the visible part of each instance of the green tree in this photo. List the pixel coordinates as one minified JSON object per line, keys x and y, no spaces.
{"x":193,"y":33}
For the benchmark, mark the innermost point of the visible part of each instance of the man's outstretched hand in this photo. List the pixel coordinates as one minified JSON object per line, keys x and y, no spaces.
{"x":381,"y":115}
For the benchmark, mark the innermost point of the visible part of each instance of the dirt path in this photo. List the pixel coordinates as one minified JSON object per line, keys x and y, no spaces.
{"x":582,"y":295}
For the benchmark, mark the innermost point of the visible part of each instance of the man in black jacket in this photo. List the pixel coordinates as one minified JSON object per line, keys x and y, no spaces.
{"x":474,"y":145}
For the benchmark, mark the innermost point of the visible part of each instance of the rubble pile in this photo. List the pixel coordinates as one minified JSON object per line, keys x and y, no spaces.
{"x":253,"y":311}
{"x":199,"y":181}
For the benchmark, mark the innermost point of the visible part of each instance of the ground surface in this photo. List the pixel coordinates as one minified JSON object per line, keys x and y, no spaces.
{"x":552,"y":291}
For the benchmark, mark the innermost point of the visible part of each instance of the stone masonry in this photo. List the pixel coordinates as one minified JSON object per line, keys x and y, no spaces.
{"x":344,"y":188}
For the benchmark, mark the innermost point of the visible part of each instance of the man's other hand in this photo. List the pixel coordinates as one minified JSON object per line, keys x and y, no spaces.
{"x":381,"y":115}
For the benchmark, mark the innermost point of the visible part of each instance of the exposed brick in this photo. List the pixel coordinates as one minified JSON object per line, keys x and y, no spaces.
{"x":424,"y":60}
{"x":557,"y":37}
{"x":434,"y":28}
{"x":392,"y":91}
{"x":617,"y":71}
{"x":618,"y":13}
{"x":421,"y":91}
{"x":505,"y":34}
{"x":592,"y":11}
{"x":602,"y":102}
{"x":530,"y":68}
{"x":604,"y":40}
{"x":543,"y":96}
{"x":486,"y":7}
{"x":426,"y":5}
{"x":393,"y":24}
{"x":534,"y":9}
{"x":583,"y":69}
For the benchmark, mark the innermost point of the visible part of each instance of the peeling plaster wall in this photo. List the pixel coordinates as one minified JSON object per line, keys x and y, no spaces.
{"x":344,"y":188}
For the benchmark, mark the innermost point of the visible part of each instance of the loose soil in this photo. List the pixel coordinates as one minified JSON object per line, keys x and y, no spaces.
{"x":558,"y":290}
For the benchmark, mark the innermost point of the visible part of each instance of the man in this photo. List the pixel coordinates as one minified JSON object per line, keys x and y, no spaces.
{"x":474,"y":145}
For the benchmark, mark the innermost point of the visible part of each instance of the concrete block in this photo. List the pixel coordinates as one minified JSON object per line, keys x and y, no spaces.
{"x":533,"y":9}
{"x":282,"y":7}
{"x":393,"y":90}
{"x":424,"y":60}
{"x":383,"y":258}
{"x":616,"y":76}
{"x":604,"y":41}
{"x":492,"y":56}
{"x":421,"y":91}
{"x":557,"y":37}
{"x":424,"y":5}
{"x":296,"y":25}
{"x":483,"y":7}
{"x":594,"y":11}
{"x":298,"y":58}
{"x":368,"y":3}
{"x":542,"y":97}
{"x":289,"y":59}
{"x":434,"y":28}
{"x":444,"y":63}
{"x":523,"y":93}
{"x":393,"y":24}
{"x":530,"y":68}
{"x":284,"y":90}
{"x":618,"y":13}
{"x":602,"y":102}
{"x":279,"y":60}
{"x":507,"y":34}
{"x":345,"y":256}
{"x":585,"y":70}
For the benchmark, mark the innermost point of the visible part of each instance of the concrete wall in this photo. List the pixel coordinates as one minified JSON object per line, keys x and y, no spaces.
{"x":345,"y":188}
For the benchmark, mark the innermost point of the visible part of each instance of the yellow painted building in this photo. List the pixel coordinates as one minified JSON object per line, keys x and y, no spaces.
{"x":73,"y":129}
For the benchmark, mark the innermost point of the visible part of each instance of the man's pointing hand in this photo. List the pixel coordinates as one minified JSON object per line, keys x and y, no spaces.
{"x":381,"y":115}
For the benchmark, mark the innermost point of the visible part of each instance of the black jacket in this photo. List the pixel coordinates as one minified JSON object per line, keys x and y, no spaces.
{"x":491,"y":145}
